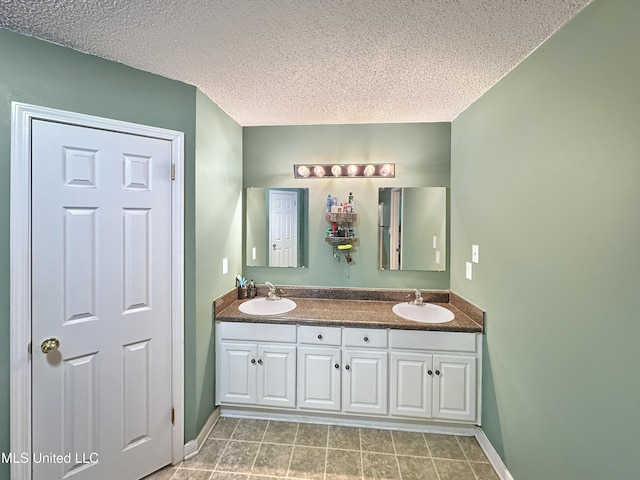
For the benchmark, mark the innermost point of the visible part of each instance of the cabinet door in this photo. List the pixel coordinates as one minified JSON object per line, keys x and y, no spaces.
{"x":237,"y":373}
{"x":364,"y":381}
{"x":454,"y":388}
{"x":411,"y":384}
{"x":276,"y":369}
{"x":319,"y":378}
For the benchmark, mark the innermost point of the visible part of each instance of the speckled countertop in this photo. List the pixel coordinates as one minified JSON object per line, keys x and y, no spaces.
{"x":349,"y":312}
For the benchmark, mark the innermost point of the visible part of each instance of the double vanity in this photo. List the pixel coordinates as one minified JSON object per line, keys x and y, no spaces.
{"x":351,"y":356}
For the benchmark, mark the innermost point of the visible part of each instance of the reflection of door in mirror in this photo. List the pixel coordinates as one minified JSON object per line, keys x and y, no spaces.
{"x":395,"y":229}
{"x":283,"y":228}
{"x":412,"y":224}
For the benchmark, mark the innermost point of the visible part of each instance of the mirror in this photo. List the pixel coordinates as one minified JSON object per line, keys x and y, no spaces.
{"x":412,"y":228}
{"x":276,"y":233}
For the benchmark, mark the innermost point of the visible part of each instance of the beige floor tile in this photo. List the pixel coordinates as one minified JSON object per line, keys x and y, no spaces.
{"x":344,"y":438}
{"x":281,"y":432}
{"x":229,"y":476}
{"x":484,"y":471}
{"x":343,"y":465}
{"x":208,"y":456}
{"x":472,"y":449}
{"x":379,"y":466}
{"x":410,"y":443}
{"x":238,"y":457}
{"x":453,"y":469}
{"x":272,"y":460}
{"x":224,"y":428}
{"x":312,"y":435}
{"x":250,"y":430}
{"x":417,"y":468}
{"x":444,"y":446}
{"x":374,"y":440}
{"x":188,"y":474}
{"x":308,"y":463}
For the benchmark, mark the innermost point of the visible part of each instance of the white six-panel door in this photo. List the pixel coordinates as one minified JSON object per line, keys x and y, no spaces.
{"x":101,"y":269}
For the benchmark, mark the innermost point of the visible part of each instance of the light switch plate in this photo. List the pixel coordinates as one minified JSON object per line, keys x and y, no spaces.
{"x":469,"y":270}
{"x":437,"y":257}
{"x":435,"y":241}
{"x":253,"y":253}
{"x":475,"y":254}
{"x":225,"y":266}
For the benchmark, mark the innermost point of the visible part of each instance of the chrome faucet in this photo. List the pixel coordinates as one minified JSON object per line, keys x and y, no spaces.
{"x":272,"y":292}
{"x":418,"y":300}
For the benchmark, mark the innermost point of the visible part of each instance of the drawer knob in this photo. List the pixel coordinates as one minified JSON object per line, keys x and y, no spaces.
{"x":319,"y":336}
{"x":437,"y":372}
{"x":366,"y":339}
{"x":253,"y":361}
{"x":347,"y":367}
{"x":260,"y":362}
{"x":337,"y":365}
{"x":429,"y":372}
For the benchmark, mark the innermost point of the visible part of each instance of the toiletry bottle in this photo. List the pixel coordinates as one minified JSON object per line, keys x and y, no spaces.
{"x":329,"y":203}
{"x":351,"y":203}
{"x":251,"y":289}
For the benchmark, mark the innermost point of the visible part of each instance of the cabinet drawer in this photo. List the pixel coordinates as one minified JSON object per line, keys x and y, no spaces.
{"x":257,"y":332}
{"x":422,"y":340}
{"x":319,"y":335}
{"x":365,"y":337}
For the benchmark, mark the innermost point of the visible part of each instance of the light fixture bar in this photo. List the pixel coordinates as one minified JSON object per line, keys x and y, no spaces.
{"x":346,"y":170}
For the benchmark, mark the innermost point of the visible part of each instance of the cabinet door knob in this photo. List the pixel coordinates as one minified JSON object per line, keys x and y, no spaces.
{"x":366,"y":339}
{"x":260,"y":362}
{"x":429,"y":372}
{"x":253,"y":361}
{"x":437,"y":372}
{"x":347,"y":367}
{"x":319,"y":336}
{"x":337,"y":365}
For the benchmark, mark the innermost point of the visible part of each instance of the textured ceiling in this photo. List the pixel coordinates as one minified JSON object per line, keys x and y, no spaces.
{"x":301,"y":62}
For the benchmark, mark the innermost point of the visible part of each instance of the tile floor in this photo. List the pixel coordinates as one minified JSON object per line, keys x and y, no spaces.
{"x":248,"y":449}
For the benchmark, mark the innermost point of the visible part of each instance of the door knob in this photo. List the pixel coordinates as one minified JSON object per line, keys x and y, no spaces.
{"x":49,"y":345}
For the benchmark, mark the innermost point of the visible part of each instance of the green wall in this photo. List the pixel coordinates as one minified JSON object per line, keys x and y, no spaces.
{"x":218,"y":234}
{"x":43,"y":74}
{"x":421,"y":152}
{"x":545,"y":177}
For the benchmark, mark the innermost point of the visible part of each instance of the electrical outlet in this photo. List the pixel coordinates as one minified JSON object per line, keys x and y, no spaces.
{"x":469,"y":270}
{"x":437,"y":257}
{"x":225,"y":266}
{"x":475,"y":254}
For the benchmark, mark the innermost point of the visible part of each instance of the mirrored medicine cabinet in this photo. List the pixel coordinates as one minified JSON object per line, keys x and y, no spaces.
{"x":412,"y":228}
{"x":276,"y":228}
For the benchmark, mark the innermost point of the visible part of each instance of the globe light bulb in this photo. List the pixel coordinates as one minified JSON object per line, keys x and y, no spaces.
{"x":304,"y":171}
{"x":369,"y":170}
{"x":336,"y":170}
{"x":318,"y":171}
{"x":352,"y":170}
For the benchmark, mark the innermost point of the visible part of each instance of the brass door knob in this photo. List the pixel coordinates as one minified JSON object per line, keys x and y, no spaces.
{"x":50,"y":345}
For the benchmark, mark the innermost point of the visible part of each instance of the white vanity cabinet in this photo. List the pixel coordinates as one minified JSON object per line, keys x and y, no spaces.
{"x":255,"y":373}
{"x":351,"y":372}
{"x":365,"y":374}
{"x":319,"y":368}
{"x":434,"y":375}
{"x":342,"y":369}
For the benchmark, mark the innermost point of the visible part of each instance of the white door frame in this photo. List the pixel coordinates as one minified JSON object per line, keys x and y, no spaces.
{"x":20,"y":270}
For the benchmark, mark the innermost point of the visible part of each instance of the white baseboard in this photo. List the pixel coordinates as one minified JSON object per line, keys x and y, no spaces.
{"x":495,"y":460}
{"x":192,"y":447}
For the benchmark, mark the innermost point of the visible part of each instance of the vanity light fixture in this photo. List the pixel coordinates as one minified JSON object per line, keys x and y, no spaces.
{"x":351,"y":170}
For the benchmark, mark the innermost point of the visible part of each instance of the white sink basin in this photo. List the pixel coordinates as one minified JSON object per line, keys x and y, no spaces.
{"x":262,"y":306}
{"x":425,"y":313}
